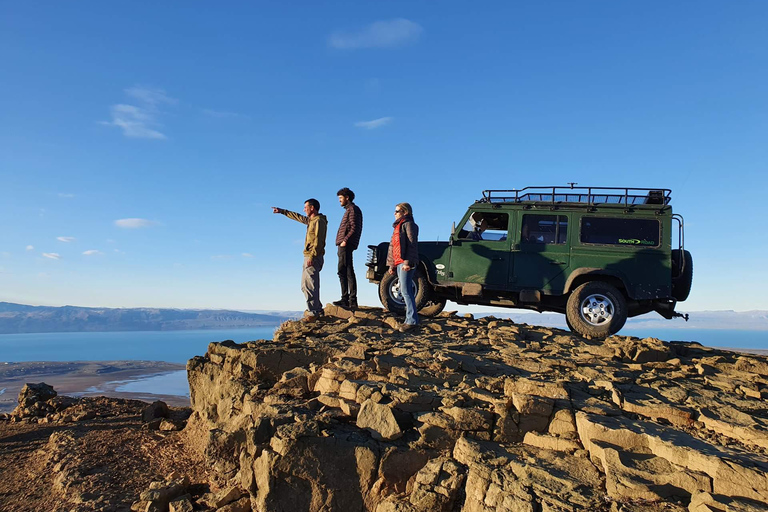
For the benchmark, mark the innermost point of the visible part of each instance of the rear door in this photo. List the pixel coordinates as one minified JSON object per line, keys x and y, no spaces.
{"x":541,"y":252}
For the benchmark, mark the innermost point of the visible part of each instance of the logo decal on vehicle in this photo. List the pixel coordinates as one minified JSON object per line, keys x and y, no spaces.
{"x":440,"y":266}
{"x":635,"y":241}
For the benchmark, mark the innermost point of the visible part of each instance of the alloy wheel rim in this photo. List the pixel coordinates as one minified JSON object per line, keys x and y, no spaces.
{"x":396,"y":295}
{"x":394,"y":292}
{"x":597,"y":309}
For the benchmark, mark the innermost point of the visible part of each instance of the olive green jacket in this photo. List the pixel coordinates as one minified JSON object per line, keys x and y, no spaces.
{"x":317,"y":226}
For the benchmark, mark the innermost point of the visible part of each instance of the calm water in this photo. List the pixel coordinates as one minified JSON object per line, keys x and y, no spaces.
{"x":171,"y":346}
{"x":179,"y":346}
{"x":708,"y":337}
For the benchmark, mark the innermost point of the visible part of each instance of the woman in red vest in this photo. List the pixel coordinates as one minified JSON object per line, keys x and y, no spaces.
{"x":403,"y":258}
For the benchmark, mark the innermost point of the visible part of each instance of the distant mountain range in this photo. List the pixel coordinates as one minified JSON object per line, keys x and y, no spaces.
{"x":20,"y":318}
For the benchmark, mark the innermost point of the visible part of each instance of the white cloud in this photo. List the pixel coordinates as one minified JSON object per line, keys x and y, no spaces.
{"x":141,"y":121}
{"x":66,"y":239}
{"x":30,"y":247}
{"x":376,"y":123}
{"x":134,"y":223}
{"x":135,"y":122}
{"x":52,"y":255}
{"x":381,"y":34}
{"x":150,"y":97}
{"x":66,"y":196}
{"x":247,"y":255}
{"x":92,"y":252}
{"x":222,"y":114}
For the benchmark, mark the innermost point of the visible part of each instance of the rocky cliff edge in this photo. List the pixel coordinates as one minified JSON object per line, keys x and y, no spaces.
{"x":479,"y":415}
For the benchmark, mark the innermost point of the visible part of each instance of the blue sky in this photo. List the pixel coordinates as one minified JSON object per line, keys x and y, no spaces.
{"x":142,"y":143}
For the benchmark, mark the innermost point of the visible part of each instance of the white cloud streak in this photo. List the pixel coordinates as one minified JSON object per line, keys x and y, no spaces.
{"x":92,"y":252}
{"x":381,"y":34}
{"x":376,"y":123}
{"x":51,"y":255}
{"x":65,"y":239}
{"x":141,"y":120}
{"x":151,"y":97}
{"x":134,"y":223}
{"x":66,"y":196}
{"x":247,"y":255}
{"x":30,"y":247}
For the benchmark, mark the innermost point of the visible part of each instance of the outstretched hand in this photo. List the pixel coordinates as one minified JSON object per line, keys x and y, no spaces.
{"x":275,"y":209}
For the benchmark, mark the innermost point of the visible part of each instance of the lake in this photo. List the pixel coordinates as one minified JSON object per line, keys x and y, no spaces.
{"x":171,"y":346}
{"x":180,"y":346}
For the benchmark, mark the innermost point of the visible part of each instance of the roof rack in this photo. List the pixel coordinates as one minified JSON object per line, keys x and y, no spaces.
{"x":580,"y":195}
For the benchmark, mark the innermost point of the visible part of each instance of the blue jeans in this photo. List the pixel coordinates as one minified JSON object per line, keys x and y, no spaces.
{"x":408,"y":290}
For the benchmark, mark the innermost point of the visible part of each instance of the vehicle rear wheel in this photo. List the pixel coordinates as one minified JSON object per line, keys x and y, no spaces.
{"x":596,"y":309}
{"x":681,"y":281}
{"x":391,"y":297}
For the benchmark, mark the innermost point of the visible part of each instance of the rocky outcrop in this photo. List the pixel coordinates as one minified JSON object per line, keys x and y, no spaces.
{"x":479,"y":415}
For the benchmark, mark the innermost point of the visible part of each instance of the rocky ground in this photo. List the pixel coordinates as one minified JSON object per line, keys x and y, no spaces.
{"x":348,"y":414}
{"x":82,"y":454}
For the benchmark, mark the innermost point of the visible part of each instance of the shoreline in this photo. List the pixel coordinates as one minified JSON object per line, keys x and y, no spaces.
{"x":86,"y":378}
{"x":105,"y":378}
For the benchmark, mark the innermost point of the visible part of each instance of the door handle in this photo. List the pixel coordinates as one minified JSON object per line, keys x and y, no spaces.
{"x":558,"y":263}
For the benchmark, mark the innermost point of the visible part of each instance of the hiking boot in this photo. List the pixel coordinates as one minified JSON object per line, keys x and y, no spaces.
{"x":341,"y":303}
{"x":406,"y":327}
{"x":353,"y":305}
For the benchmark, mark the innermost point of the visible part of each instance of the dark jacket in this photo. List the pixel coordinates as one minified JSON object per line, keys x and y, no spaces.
{"x":351,"y":226}
{"x":409,"y":243}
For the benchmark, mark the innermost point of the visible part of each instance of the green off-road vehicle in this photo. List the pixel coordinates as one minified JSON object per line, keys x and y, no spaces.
{"x":596,"y":254}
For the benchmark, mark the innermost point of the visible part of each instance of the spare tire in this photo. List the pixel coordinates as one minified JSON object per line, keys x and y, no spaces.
{"x":682,"y":274}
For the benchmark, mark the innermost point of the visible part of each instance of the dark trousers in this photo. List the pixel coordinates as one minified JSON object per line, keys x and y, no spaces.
{"x":347,"y":276}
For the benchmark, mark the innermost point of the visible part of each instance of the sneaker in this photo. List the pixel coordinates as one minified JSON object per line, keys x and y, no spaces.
{"x":406,"y":327}
{"x":341,"y":303}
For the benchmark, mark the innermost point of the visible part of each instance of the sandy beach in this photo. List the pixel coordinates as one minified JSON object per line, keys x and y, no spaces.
{"x":85,"y":378}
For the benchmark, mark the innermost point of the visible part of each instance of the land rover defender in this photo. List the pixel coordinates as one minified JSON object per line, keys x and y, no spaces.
{"x":596,"y":254}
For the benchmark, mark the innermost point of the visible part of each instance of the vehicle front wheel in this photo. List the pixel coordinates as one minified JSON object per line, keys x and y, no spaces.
{"x":392,"y":298}
{"x":596,"y":309}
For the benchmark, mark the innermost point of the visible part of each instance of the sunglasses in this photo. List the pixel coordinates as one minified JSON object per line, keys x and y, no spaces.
{"x":399,"y":211}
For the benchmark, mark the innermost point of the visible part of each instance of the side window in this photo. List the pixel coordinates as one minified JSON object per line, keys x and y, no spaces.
{"x":544,"y":229}
{"x":620,"y":231}
{"x":491,"y":226}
